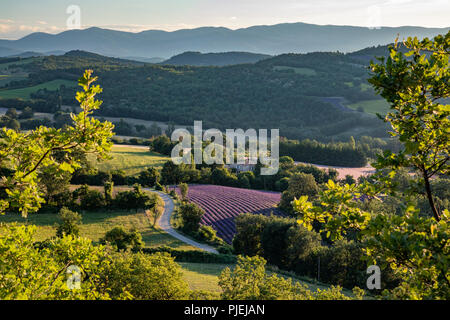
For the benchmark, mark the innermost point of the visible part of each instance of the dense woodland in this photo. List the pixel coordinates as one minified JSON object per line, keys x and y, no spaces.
{"x":282,"y":92}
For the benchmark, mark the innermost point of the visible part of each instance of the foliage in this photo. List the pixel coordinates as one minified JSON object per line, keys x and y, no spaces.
{"x":146,"y":277}
{"x":149,"y":177}
{"x":415,"y":85}
{"x":183,"y":187}
{"x":122,"y":239}
{"x":27,"y":153}
{"x":29,"y":272}
{"x":156,"y":211}
{"x":300,"y":184}
{"x":191,"y":215}
{"x":415,"y":246}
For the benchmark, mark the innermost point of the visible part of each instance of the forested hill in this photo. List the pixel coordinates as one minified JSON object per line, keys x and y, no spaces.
{"x":285,"y":92}
{"x":214,"y":59}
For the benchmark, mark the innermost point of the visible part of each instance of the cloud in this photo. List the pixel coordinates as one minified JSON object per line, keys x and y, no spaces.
{"x":5,"y":28}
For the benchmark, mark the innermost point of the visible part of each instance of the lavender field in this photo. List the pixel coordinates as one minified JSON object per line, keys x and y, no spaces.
{"x":223,"y":204}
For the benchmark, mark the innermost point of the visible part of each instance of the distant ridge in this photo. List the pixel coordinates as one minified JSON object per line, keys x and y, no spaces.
{"x":215,"y":59}
{"x":271,"y":40}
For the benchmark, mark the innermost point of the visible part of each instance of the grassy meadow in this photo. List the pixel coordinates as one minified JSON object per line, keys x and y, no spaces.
{"x":24,"y":93}
{"x":96,"y":224}
{"x":371,"y":106}
{"x":131,"y":160}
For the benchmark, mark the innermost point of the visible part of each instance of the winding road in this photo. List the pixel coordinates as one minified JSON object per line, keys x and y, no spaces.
{"x":164,"y":224}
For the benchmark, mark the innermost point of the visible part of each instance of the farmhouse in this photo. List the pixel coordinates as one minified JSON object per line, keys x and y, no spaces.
{"x":243,"y":167}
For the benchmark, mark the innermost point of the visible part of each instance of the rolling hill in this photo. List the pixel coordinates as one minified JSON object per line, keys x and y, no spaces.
{"x":285,"y":92}
{"x":214,"y":59}
{"x":271,"y":40}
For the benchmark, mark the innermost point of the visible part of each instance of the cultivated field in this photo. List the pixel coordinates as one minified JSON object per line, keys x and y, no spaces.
{"x":223,"y":204}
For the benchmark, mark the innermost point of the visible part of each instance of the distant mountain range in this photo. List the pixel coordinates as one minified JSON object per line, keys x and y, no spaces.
{"x":270,"y":40}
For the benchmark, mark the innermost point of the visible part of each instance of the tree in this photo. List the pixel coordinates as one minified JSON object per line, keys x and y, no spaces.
{"x":108,"y":187}
{"x":92,"y":200}
{"x":155,"y":212}
{"x":191,"y":215}
{"x":171,"y":173}
{"x":299,"y":184}
{"x":149,"y":177}
{"x":122,"y":239}
{"x":415,"y":85}
{"x":69,"y":221}
{"x":11,"y":113}
{"x":28,"y":153}
{"x":27,"y":113}
{"x":183,"y":187}
{"x":249,"y":228}
{"x":53,"y":181}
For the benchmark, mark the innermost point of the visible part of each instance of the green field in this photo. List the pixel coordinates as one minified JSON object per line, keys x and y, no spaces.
{"x":371,"y":106}
{"x":96,"y":224}
{"x":302,"y":71}
{"x":131,"y":160}
{"x":205,"y":276}
{"x":24,"y":93}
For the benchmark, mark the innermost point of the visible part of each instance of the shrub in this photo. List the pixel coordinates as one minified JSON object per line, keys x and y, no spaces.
{"x":122,"y":239}
{"x":225,"y":249}
{"x":195,"y":256}
{"x":68,"y":224}
{"x":249,"y":228}
{"x":208,"y":234}
{"x":92,"y":200}
{"x":149,"y":177}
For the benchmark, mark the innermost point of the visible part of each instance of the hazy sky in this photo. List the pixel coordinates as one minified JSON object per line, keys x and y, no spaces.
{"x":21,"y":17}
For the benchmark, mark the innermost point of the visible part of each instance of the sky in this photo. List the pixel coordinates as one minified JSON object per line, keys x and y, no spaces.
{"x":21,"y":17}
